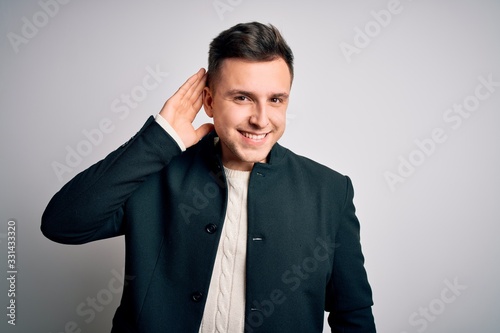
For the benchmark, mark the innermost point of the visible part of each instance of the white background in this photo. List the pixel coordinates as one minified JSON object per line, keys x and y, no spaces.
{"x":359,"y":113}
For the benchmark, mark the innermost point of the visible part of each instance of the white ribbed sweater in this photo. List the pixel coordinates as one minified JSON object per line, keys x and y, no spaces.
{"x":225,"y":307}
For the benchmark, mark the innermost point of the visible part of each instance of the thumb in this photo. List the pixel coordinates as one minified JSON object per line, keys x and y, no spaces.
{"x":204,"y":130}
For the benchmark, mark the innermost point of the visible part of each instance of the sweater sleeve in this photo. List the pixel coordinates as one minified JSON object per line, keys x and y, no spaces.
{"x":89,"y":207}
{"x":349,"y":295}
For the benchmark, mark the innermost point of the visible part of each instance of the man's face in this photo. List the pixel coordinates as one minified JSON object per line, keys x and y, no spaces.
{"x":248,"y":105}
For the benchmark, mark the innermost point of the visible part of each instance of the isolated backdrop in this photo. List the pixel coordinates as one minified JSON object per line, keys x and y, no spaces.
{"x":402,"y":96}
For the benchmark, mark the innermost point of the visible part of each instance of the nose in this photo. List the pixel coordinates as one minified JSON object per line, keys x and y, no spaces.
{"x":259,"y":116}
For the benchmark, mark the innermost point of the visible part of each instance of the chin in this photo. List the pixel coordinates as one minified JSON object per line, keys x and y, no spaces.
{"x":246,"y":155}
{"x":253,"y":158}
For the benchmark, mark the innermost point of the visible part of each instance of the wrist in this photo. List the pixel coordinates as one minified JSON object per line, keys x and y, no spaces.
{"x":165,"y":124}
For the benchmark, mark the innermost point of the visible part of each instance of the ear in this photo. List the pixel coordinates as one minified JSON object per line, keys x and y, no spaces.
{"x":208,"y":102}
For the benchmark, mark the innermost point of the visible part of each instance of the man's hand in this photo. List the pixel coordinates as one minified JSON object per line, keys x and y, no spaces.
{"x":181,"y":109}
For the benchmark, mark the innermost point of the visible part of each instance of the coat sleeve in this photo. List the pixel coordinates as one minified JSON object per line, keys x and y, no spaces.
{"x":89,"y":207}
{"x":349,"y":295}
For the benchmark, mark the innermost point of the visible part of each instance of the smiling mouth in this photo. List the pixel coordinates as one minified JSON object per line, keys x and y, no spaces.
{"x":253,"y":136}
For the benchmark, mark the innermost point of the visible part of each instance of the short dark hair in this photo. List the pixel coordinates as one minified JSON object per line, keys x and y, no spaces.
{"x":251,"y":41}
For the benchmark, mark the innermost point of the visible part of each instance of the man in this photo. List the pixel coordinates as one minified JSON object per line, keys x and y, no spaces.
{"x":225,"y":230}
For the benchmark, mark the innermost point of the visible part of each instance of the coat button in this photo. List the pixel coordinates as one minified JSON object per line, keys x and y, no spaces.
{"x":211,"y":228}
{"x":196,"y":296}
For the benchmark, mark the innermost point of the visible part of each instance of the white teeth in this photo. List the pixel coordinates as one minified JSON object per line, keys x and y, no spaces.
{"x":254,"y":136}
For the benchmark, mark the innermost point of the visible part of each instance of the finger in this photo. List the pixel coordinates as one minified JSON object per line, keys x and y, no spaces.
{"x":199,"y":100}
{"x":187,"y":89}
{"x":204,"y":130}
{"x":197,"y":89}
{"x":182,"y":101}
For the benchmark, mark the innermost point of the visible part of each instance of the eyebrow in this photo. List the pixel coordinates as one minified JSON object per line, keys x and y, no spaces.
{"x":233,"y":92}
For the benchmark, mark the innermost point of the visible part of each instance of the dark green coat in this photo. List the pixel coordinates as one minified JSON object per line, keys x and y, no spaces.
{"x":303,"y":251}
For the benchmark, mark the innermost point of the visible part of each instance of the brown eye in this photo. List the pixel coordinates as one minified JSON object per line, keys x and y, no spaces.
{"x":241,"y":98}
